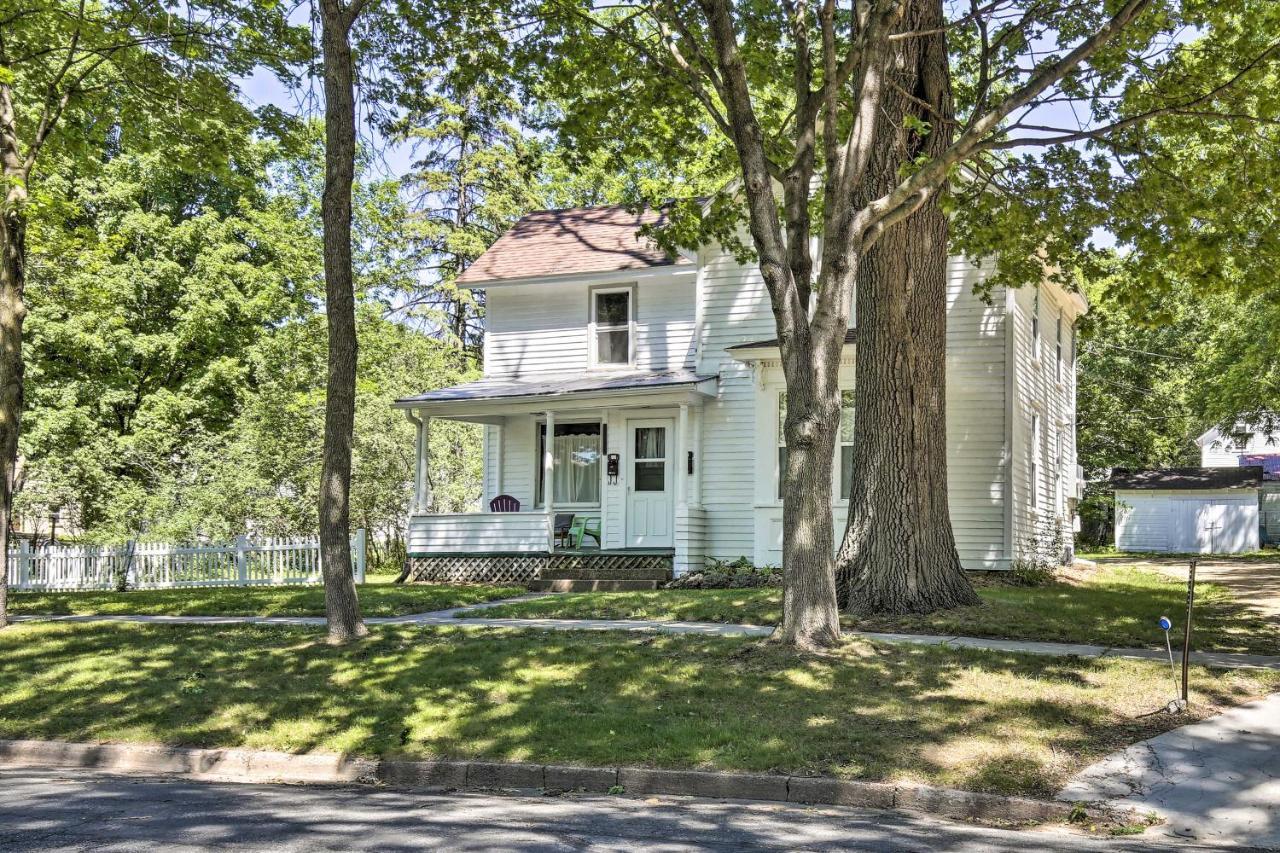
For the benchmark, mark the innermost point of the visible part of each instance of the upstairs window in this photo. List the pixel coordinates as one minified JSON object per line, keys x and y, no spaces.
{"x":1059,"y":361}
{"x":612,"y":318}
{"x":1035,"y":327}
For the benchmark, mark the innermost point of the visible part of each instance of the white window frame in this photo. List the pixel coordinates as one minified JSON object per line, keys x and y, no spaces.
{"x":841,"y":496}
{"x":1058,"y":366}
{"x":593,"y":343}
{"x":540,"y":424}
{"x":838,"y":496}
{"x":1059,"y":466}
{"x":780,"y":443}
{"x":1035,"y":327}
{"x":1035,"y":460}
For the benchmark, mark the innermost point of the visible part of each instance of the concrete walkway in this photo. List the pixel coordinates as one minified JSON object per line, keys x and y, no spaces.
{"x":1216,"y":781}
{"x":713,"y":629}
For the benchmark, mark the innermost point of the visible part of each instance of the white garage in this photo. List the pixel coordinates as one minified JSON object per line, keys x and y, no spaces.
{"x":1188,"y":510}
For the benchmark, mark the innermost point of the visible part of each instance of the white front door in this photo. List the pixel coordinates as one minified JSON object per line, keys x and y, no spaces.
{"x":650,"y":505}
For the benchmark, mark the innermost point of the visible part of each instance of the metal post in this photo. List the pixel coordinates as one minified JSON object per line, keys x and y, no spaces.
{"x":1186,"y":631}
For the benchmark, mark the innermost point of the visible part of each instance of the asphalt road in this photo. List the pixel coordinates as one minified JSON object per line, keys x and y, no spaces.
{"x":59,"y":810}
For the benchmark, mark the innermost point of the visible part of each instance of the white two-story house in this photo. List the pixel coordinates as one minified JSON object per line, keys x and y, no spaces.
{"x":639,"y":395}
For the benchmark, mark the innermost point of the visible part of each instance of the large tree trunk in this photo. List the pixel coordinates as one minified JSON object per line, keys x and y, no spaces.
{"x":899,"y":552}
{"x":342,"y":608}
{"x":810,"y":616}
{"x":12,"y":313}
{"x":13,"y":232}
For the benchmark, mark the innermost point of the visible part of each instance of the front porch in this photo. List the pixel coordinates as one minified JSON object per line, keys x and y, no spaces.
{"x":585,"y":480}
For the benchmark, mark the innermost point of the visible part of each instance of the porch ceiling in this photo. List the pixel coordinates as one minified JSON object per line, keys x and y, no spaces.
{"x":554,"y":390}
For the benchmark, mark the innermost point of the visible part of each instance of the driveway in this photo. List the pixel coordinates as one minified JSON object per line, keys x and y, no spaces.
{"x":1255,"y":583}
{"x":1215,"y":781}
{"x":80,"y":811}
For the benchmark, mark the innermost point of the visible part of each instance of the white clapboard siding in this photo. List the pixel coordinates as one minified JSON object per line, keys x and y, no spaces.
{"x":993,"y":386}
{"x":977,"y":409}
{"x":522,"y":532}
{"x":1179,"y":521}
{"x":735,"y":309}
{"x":541,"y":327}
{"x":158,"y":565}
{"x":1036,"y":390}
{"x":1218,"y":451}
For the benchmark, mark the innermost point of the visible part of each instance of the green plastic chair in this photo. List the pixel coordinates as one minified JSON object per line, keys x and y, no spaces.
{"x":584,"y":526}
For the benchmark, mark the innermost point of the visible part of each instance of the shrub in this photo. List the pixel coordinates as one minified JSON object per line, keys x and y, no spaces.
{"x":719,"y":574}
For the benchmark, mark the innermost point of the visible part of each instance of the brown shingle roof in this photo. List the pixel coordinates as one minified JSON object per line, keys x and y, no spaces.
{"x":1244,"y":477}
{"x":576,"y":240}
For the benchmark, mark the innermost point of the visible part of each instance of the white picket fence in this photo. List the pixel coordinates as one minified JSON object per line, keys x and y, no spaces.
{"x":152,"y":565}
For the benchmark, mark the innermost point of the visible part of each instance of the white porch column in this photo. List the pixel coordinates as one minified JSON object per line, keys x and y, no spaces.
{"x":695,"y":445}
{"x":548,"y":480}
{"x":422,"y":479}
{"x":682,"y":458}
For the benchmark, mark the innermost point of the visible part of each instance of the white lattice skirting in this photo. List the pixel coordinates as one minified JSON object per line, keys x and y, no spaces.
{"x":523,"y":568}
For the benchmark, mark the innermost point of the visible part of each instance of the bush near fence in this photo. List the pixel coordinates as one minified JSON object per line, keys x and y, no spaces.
{"x":161,"y":565}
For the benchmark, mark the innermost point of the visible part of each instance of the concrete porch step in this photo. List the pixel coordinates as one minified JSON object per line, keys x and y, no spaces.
{"x":590,"y":585}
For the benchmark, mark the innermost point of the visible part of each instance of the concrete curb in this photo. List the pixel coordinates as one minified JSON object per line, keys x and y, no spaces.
{"x":254,"y":766}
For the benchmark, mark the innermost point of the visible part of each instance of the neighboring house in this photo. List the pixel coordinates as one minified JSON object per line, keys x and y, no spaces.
{"x":1230,"y":505}
{"x":1247,"y":444}
{"x":1188,"y":510}
{"x":659,"y":380}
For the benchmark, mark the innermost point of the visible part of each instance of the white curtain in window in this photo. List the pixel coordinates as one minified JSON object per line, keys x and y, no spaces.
{"x":577,"y":468}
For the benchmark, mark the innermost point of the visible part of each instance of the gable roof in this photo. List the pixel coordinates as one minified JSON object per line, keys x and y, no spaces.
{"x":1244,"y":477}
{"x":573,"y":240}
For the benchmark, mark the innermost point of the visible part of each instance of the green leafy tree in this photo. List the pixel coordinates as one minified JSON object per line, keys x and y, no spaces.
{"x":77,"y":77}
{"x":847,"y":125}
{"x":142,"y":347}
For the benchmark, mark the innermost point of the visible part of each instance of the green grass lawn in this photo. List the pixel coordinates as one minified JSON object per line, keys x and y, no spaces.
{"x":977,"y":720}
{"x":379,"y":597}
{"x":1116,"y":606}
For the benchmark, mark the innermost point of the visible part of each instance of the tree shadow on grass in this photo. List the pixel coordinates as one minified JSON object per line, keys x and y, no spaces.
{"x":977,"y":719}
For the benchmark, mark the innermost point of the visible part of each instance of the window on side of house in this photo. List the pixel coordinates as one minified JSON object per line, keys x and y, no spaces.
{"x":1035,"y":326}
{"x":1059,"y":355}
{"x":846,"y":445}
{"x":576,"y":452}
{"x":612,"y":318}
{"x":1035,"y":461}
{"x":782,"y":439}
{"x":1058,"y":463}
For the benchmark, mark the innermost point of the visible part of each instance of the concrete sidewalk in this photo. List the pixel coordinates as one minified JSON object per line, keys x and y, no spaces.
{"x":1215,"y":781}
{"x":442,"y":618}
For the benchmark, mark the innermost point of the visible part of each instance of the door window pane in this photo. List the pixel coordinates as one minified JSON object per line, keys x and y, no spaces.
{"x":650,"y":476}
{"x":651,"y":443}
{"x":613,"y":346}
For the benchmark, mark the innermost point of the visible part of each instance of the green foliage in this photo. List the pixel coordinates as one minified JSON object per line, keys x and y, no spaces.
{"x":722,"y":574}
{"x":175,"y":378}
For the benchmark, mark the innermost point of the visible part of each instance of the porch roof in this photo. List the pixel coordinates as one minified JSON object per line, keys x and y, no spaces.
{"x":545,"y":386}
